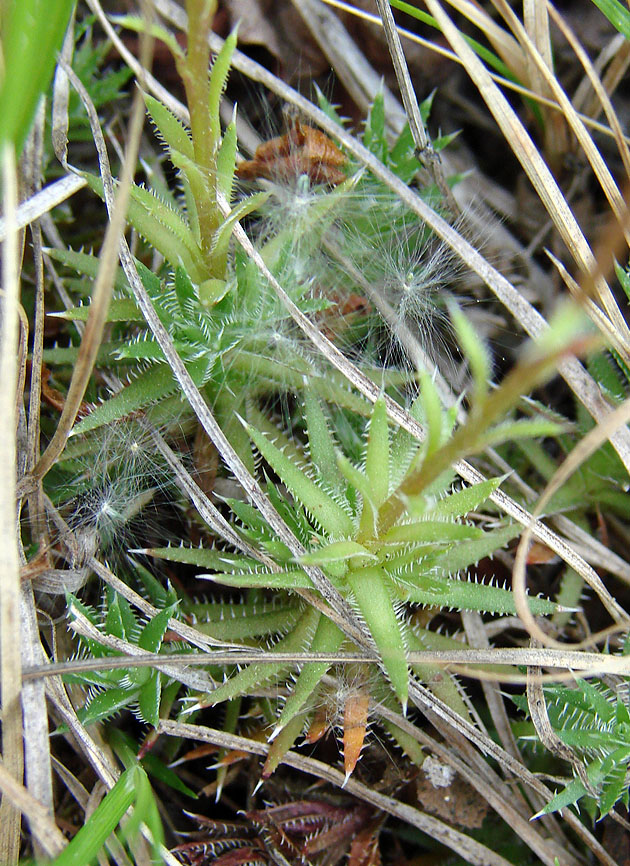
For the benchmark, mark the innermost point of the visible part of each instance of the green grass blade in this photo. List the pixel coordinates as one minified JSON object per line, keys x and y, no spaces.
{"x":88,"y":842}
{"x":33,"y":31}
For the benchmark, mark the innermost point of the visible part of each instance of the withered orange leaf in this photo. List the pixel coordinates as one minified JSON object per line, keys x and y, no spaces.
{"x":354,"y":725}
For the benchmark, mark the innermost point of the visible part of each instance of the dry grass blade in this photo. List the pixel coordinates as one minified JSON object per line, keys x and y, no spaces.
{"x":44,"y":201}
{"x":599,"y":89}
{"x":473,"y":852}
{"x":53,"y":841}
{"x":104,"y":282}
{"x":349,"y":63}
{"x":584,"y":448}
{"x":588,"y":663}
{"x":537,"y":26}
{"x":531,"y":160}
{"x":35,"y":712}
{"x":503,"y":42}
{"x":423,"y":146}
{"x":610,"y":82}
{"x":607,"y":182}
{"x":10,"y":628}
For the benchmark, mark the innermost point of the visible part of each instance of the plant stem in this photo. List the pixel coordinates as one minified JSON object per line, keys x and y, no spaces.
{"x":195,"y":75}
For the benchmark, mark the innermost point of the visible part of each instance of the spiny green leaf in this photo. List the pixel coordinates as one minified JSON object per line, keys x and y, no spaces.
{"x":197,"y":181}
{"x":150,"y":639}
{"x":372,"y":595}
{"x":374,"y":136}
{"x":107,"y":704}
{"x":173,"y":132}
{"x":465,"y":500}
{"x":432,"y":414}
{"x":463,"y":595}
{"x":113,"y":621}
{"x":614,"y":784}
{"x":431,"y":531}
{"x":120,"y":310}
{"x":327,"y":639}
{"x":226,"y":159}
{"x":84,"y":263}
{"x":323,"y":508}
{"x":150,"y":216}
{"x":335,"y":552}
{"x":149,"y":699}
{"x":222,"y":236}
{"x":464,"y":555}
{"x":377,"y":455}
{"x":355,"y":477}
{"x":217,"y":559}
{"x":147,"y":389}
{"x":217,"y":80}
{"x":161,"y":226}
{"x":604,"y":708}
{"x":246,"y":625}
{"x":295,"y":579}
{"x":321,"y":443}
{"x":256,"y":675}
{"x":282,"y":743}
{"x":573,"y":792}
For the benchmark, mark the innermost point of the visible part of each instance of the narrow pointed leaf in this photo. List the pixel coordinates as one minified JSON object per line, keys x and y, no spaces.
{"x":222,"y":237}
{"x":106,"y":704}
{"x":338,"y":550}
{"x":296,"y":579}
{"x":377,"y":456}
{"x":369,"y":587}
{"x":150,"y":639}
{"x":464,"y":595}
{"x":226,"y":159}
{"x":465,"y":500}
{"x":149,"y":699}
{"x":172,"y":131}
{"x":89,"y":840}
{"x":218,"y":78}
{"x":536,"y":428}
{"x":327,"y":639}
{"x":256,"y":675}
{"x":355,"y":717}
{"x":463,"y":555}
{"x":475,"y":352}
{"x":120,"y":310}
{"x":149,"y":388}
{"x":282,"y":743}
{"x":431,"y":531}
{"x":331,"y":516}
{"x":321,"y":443}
